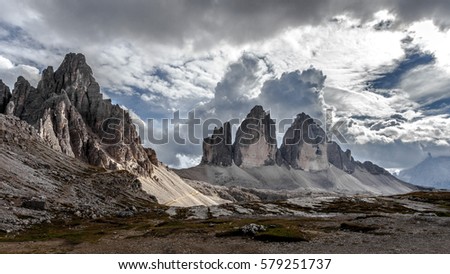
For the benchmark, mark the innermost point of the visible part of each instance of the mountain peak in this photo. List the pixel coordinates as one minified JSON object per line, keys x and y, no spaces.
{"x":69,"y":112}
{"x":255,"y":144}
{"x":431,"y":172}
{"x":217,"y":149}
{"x":257,"y":112}
{"x":304,"y":145}
{"x":302,"y":116}
{"x":74,"y":61}
{"x":305,"y":160}
{"x":3,"y":86}
{"x":78,"y":58}
{"x":21,"y":79}
{"x":73,"y":65}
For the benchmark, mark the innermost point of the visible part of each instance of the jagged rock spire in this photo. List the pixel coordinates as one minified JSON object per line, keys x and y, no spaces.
{"x":5,"y":96}
{"x":69,"y":112}
{"x":304,"y":145}
{"x":218,"y":149}
{"x":340,"y":159}
{"x":255,"y":144}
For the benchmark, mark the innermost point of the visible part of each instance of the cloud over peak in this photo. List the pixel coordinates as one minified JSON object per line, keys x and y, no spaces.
{"x":387,"y":62}
{"x":200,"y":23}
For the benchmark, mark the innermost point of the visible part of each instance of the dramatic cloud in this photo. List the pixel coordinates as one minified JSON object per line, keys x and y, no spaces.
{"x":387,"y":63}
{"x":199,"y":23}
{"x":252,"y":81}
{"x":293,"y":92}
{"x":236,"y":93}
{"x":10,"y":71}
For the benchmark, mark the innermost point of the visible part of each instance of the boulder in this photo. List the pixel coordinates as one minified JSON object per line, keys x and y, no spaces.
{"x":34,"y":204}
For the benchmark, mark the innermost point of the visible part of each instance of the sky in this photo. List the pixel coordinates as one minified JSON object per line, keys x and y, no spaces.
{"x":381,"y":67}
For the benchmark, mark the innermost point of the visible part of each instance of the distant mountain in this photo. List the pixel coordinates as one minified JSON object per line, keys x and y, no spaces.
{"x":431,"y":172}
{"x":305,"y":161}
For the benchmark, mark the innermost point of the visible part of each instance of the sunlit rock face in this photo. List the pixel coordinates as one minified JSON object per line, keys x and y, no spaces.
{"x":304,"y":145}
{"x":255,"y":144}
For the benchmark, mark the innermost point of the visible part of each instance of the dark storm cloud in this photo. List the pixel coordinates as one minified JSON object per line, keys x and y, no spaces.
{"x":232,"y":98}
{"x":251,"y":81}
{"x":407,"y":10}
{"x":175,"y":22}
{"x":413,"y":10}
{"x":204,"y":22}
{"x":90,"y":26}
{"x":294,"y":92}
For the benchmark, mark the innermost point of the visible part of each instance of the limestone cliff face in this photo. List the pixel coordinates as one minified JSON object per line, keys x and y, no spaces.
{"x":218,"y":149}
{"x":25,"y":95}
{"x":70,"y":113}
{"x":340,"y":159}
{"x":304,"y":145}
{"x":305,"y":161}
{"x":255,"y":144}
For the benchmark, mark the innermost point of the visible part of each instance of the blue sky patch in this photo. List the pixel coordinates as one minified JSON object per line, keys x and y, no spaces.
{"x":162,"y":74}
{"x":441,"y":106}
{"x":391,"y":79}
{"x":144,"y":109}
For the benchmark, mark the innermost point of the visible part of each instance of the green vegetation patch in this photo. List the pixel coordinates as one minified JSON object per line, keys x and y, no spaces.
{"x":78,"y":230}
{"x":282,"y":234}
{"x":73,"y":232}
{"x":356,"y":205}
{"x":441,"y":198}
{"x":268,"y":230}
{"x":358,"y":227}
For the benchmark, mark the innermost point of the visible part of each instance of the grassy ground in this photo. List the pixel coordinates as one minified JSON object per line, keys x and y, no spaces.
{"x":352,"y":218}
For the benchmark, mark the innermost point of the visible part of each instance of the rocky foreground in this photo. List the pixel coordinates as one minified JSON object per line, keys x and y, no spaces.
{"x":38,"y":184}
{"x":412,"y":223}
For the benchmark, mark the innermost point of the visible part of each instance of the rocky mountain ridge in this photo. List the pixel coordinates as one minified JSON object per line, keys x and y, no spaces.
{"x":71,"y":116}
{"x":305,"y":146}
{"x":305,"y":160}
{"x":38,"y":184}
